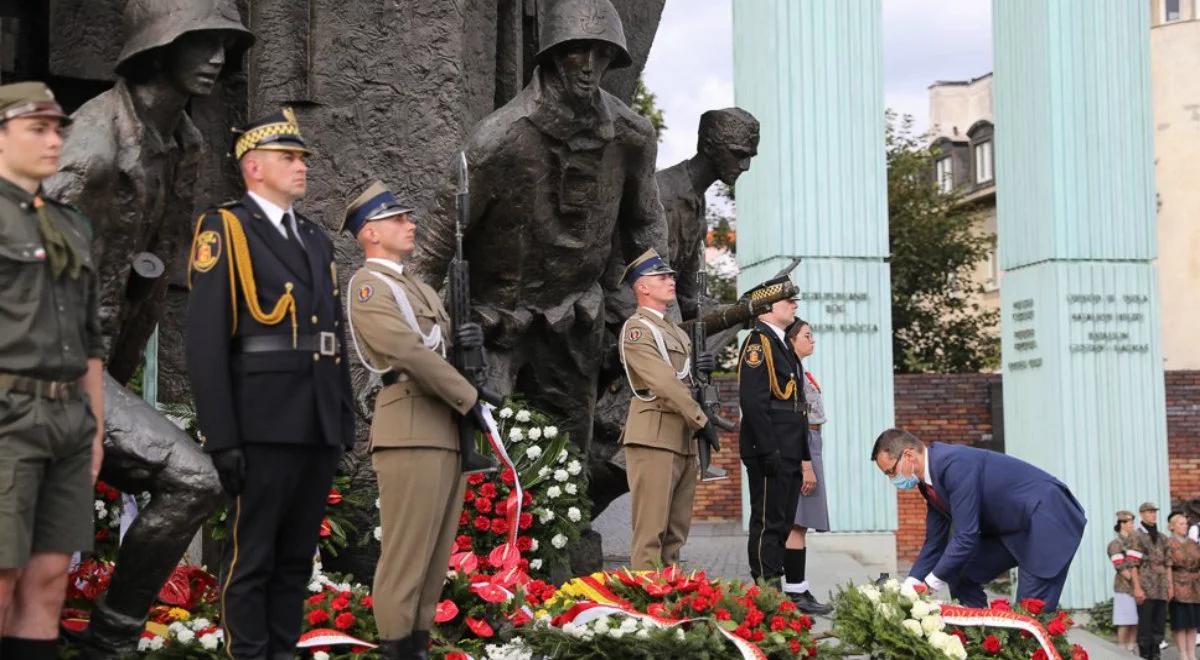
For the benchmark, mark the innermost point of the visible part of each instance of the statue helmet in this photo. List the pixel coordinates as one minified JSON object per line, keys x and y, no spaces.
{"x":579,"y":20}
{"x":151,"y":24}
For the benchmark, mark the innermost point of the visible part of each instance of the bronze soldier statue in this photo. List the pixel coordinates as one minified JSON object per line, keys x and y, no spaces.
{"x":561,"y":176}
{"x":130,"y":165}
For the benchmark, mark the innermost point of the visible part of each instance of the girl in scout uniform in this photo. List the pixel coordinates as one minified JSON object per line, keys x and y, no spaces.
{"x":1184,"y":556}
{"x":1124,"y":557}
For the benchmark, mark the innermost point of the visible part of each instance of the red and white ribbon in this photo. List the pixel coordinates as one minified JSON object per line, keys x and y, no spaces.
{"x":507,"y":555}
{"x":330,"y":637}
{"x":977,"y":616}
{"x":595,"y":611}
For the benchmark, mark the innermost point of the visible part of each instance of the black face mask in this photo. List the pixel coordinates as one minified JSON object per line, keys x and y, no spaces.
{"x":1152,"y":530}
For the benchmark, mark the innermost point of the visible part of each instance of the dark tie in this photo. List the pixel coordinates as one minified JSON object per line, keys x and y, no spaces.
{"x":934,"y":499}
{"x":289,"y":223}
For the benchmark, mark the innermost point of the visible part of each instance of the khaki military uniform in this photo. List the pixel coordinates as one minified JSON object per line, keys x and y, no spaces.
{"x":49,"y":328}
{"x":1184,"y":555}
{"x":414,"y":441}
{"x":1122,"y":561}
{"x":660,"y":451}
{"x":1151,"y":560}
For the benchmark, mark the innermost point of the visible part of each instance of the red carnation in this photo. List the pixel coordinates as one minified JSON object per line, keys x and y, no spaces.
{"x":1039,"y":655}
{"x":446,"y":610}
{"x":367,"y":601}
{"x":508,"y":477}
{"x":475,"y":479}
{"x":482,"y":523}
{"x":992,"y":645}
{"x":526,"y":498}
{"x":326,"y":528}
{"x":334,"y":497}
{"x":787,"y":606}
{"x":344,"y":620}
{"x":1000,"y":604}
{"x":456,"y":655}
{"x":757,"y":636}
{"x":339,"y":604}
{"x":488,"y":490}
{"x":317,"y":617}
{"x":101,"y":533}
{"x":723,"y":614}
{"x":524,"y":543}
{"x":468,"y":495}
{"x":480,"y":627}
{"x":753,"y":591}
{"x":463,"y":542}
{"x":499,"y":526}
{"x":754,"y":616}
{"x":464,"y":518}
{"x":794,"y":646}
{"x":316,"y":599}
{"x":1033,"y":605}
{"x":700,"y":603}
{"x":777,"y":623}
{"x":743,"y":631}
{"x":525,"y":520}
{"x":1077,"y":653}
{"x":1057,"y":627}
{"x":483,"y":505}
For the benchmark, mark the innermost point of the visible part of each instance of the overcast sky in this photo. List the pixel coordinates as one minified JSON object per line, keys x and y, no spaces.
{"x":691,"y":63}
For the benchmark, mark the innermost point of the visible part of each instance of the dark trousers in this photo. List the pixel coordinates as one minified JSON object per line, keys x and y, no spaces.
{"x":1152,"y":624}
{"x":273,"y":531}
{"x":772,"y":508}
{"x":990,"y":560}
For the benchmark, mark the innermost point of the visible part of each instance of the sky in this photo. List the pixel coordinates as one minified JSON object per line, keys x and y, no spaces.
{"x":690,"y":68}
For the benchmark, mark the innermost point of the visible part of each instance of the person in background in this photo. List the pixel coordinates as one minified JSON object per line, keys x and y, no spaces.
{"x":1192,"y":511}
{"x":1152,"y":589}
{"x":1184,"y":556}
{"x":812,"y":511}
{"x":1124,"y":558}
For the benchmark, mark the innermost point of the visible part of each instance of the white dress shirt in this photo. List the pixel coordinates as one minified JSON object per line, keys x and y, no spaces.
{"x":275,"y":215}
{"x":392,"y":265}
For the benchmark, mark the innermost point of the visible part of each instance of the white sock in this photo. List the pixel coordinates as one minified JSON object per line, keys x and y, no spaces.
{"x":793,"y":588}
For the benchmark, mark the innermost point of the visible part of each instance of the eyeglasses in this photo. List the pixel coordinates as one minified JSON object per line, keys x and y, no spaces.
{"x":892,"y":472}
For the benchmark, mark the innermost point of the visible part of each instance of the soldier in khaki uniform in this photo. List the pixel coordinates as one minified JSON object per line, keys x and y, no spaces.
{"x":660,"y":449}
{"x":1153,"y":587}
{"x":400,"y":329}
{"x":51,"y":396}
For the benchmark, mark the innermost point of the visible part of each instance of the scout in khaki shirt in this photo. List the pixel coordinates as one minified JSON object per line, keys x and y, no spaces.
{"x":51,"y":397}
{"x":400,"y":330}
{"x":659,"y":435}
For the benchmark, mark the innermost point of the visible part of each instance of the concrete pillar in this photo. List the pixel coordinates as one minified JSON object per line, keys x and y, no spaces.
{"x":1082,"y":362}
{"x":811,"y":72}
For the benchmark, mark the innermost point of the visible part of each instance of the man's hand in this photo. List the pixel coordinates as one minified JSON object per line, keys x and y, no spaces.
{"x":810,"y":478}
{"x":231,"y":468}
{"x":770,"y":464}
{"x":934,"y":583}
{"x":97,"y":454}
{"x":706,"y":363}
{"x":1139,"y":595}
{"x":708,"y":435}
{"x":468,"y":335}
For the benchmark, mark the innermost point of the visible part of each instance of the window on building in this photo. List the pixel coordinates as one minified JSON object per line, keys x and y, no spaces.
{"x":983,"y":162}
{"x":1170,"y":10}
{"x":945,"y":174}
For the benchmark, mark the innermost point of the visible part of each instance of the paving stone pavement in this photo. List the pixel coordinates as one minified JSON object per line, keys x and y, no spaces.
{"x":720,"y":549}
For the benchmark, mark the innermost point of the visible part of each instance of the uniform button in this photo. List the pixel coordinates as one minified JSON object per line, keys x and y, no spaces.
{"x":24,"y":206}
{"x":314,"y":319}
{"x":335,"y":293}
{"x":316,"y":356}
{"x":337,"y":360}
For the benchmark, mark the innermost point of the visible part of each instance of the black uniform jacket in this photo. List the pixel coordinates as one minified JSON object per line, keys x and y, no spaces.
{"x":280,"y":396}
{"x":774,"y":416}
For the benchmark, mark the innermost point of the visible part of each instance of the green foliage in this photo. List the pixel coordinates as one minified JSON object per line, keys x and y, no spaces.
{"x":936,"y":324}
{"x":1100,"y":619}
{"x":645,"y":104}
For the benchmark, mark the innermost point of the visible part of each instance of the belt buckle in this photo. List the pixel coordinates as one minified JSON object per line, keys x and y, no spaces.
{"x":56,"y":390}
{"x":328,"y":343}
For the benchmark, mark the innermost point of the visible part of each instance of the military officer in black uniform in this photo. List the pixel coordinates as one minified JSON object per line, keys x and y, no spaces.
{"x":266,"y":357}
{"x":774,"y":432}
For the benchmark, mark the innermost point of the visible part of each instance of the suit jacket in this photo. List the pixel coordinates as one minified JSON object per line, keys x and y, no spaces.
{"x":771,"y":420}
{"x":288,"y":396}
{"x":673,"y":416}
{"x":991,"y":495}
{"x":423,"y":409}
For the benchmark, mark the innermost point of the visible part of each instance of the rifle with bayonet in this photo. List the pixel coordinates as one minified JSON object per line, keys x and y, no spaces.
{"x":705,"y":394}
{"x":468,"y":359}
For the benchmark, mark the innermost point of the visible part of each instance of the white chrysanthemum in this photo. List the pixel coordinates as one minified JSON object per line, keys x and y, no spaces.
{"x":101,"y":511}
{"x":156,"y":643}
{"x":143,"y":644}
{"x":616,"y":633}
{"x":543,"y":472}
{"x":185,"y":636}
{"x":314,"y":587}
{"x":559,"y":541}
{"x":562,"y":456}
{"x":551,"y":432}
{"x":535,"y":564}
{"x":378,"y":533}
{"x":545,"y":515}
{"x":600,"y":626}
{"x":376,"y":502}
{"x":561,"y":476}
{"x":523,"y":416}
{"x":932,"y":623}
{"x":506,"y":412}
{"x":209,"y":641}
{"x":199,"y":624}
{"x":553,"y":492}
{"x":533,"y":545}
{"x":679,"y":634}
{"x":571,"y":489}
{"x":629,"y":624}
{"x":913,"y":627}
{"x":320,"y":655}
{"x":535,"y":433}
{"x":642,"y":634}
{"x":574,"y":515}
{"x":533,"y":452}
{"x":516,"y":434}
{"x":574,"y":468}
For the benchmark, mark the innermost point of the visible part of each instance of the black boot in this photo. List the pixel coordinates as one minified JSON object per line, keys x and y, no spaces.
{"x":395,"y":649}
{"x":420,"y":644}
{"x":807,"y":603}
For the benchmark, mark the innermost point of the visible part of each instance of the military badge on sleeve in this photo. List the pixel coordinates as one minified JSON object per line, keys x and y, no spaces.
{"x":635,"y":334}
{"x":207,"y":251}
{"x":754,"y":355}
{"x":364,"y":292}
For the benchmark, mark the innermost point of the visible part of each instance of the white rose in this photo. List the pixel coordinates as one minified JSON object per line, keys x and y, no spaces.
{"x":523,"y":416}
{"x":533,"y":452}
{"x":535,"y":564}
{"x":185,"y":636}
{"x":535,"y":433}
{"x":870,"y":592}
{"x":156,"y":643}
{"x":553,"y":492}
{"x":922,"y":609}
{"x":571,"y":489}
{"x":101,"y":512}
{"x":506,"y":412}
{"x":516,"y":434}
{"x":561,"y":475}
{"x":562,"y":456}
{"x":574,"y":515}
{"x":378,"y":533}
{"x":932,"y":623}
{"x":559,"y":541}
{"x":550,"y":432}
{"x":888,"y":611}
{"x":913,"y":627}
{"x":908,"y":592}
{"x":892,"y":585}
{"x":320,"y":655}
{"x":601,"y":625}
{"x":209,"y":641}
{"x":954,"y":648}
{"x":174,"y":628}
{"x":574,"y":468}
{"x":533,"y":545}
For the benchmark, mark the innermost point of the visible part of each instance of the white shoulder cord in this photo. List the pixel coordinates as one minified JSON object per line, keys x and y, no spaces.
{"x":662,"y":350}
{"x":432,"y":341}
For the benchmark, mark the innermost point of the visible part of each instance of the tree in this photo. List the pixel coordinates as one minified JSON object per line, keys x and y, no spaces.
{"x":645,"y":104}
{"x":937,"y":323}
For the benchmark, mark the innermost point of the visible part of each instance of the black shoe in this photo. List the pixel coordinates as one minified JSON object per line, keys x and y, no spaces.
{"x":807,"y":603}
{"x":420,"y":644}
{"x":395,"y":649}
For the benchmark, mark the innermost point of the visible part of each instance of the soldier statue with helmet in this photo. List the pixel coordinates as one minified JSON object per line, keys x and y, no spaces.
{"x":131,"y":164}
{"x":561,"y":176}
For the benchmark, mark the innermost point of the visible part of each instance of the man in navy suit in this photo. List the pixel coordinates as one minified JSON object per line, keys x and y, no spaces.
{"x":985,"y":514}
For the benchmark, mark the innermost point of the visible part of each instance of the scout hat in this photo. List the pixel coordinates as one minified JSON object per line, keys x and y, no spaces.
{"x":1147,"y":506}
{"x":277,"y":132}
{"x":768,"y":289}
{"x":375,"y":203}
{"x":29,"y":99}
{"x":1124,"y":516}
{"x":649,"y":263}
